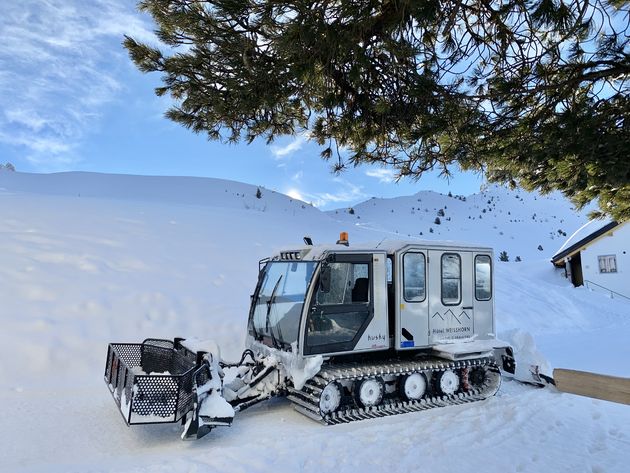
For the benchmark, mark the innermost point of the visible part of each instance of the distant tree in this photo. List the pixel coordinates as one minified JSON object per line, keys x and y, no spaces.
{"x":450,"y":194}
{"x":437,"y":221}
{"x":351,"y":211}
{"x":503,"y":256}
{"x":258,"y":193}
{"x":517,"y":259}
{"x":532,"y":92}
{"x":431,"y":230}
{"x":540,"y":248}
{"x":441,"y":213}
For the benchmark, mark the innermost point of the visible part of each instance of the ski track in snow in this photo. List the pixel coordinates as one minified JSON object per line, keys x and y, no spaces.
{"x":113,"y":265}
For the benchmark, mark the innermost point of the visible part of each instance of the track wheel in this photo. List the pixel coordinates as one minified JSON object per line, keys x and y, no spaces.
{"x":330,"y":398}
{"x":369,"y":392}
{"x":447,"y":382}
{"x":477,"y":377}
{"x":414,"y":386}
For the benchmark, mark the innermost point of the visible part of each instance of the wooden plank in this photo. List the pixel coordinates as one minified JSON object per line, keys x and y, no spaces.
{"x":598,"y":386}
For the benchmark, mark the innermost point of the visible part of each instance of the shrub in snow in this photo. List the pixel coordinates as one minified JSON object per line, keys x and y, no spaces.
{"x":351,"y":211}
{"x":540,"y":248}
{"x":437,"y":221}
{"x":441,"y":213}
{"x":258,"y":193}
{"x":517,"y":259}
{"x":503,"y":256}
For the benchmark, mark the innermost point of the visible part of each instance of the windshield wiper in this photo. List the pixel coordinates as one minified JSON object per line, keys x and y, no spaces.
{"x":270,"y":302}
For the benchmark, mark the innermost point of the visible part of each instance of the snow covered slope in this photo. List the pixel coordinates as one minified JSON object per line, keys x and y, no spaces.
{"x":86,"y":259}
{"x":514,"y":221}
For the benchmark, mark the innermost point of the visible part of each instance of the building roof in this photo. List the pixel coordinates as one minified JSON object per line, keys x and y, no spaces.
{"x":583,"y":237}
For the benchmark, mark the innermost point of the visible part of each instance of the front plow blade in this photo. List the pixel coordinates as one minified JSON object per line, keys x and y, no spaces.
{"x":210,"y":409}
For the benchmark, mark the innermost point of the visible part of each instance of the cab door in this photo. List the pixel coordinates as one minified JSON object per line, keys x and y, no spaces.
{"x":451,"y":310}
{"x":412,"y":300}
{"x":348,"y":313}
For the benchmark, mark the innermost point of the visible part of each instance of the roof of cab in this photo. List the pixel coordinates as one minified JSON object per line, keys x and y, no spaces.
{"x":317,"y":252}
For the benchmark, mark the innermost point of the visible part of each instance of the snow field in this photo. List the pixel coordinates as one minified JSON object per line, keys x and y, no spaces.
{"x":78,"y":272}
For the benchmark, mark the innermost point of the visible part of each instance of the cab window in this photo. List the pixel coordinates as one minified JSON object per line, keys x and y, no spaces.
{"x":483,"y":278}
{"x":414,"y":277}
{"x":451,"y":279}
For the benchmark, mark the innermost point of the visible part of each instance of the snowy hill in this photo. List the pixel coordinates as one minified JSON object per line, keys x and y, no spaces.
{"x":514,"y":221}
{"x":157,"y":189}
{"x":86,"y":259}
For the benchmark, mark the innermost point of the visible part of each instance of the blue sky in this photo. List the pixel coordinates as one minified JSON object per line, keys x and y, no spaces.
{"x":71,"y":100}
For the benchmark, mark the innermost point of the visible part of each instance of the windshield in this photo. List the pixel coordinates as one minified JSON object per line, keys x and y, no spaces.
{"x":280,"y":299}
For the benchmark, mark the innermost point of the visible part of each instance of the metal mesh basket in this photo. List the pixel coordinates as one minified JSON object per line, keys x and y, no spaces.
{"x":151,"y":381}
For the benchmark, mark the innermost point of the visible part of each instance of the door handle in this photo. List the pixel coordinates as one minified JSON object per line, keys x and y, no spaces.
{"x":470,"y":308}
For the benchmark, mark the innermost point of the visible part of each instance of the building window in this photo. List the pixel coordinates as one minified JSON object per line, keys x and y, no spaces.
{"x":607,"y":263}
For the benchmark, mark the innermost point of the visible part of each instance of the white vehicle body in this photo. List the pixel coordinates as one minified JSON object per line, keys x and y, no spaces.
{"x":420,"y":295}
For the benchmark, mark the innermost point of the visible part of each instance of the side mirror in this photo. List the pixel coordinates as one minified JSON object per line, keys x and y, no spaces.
{"x":324,"y":278}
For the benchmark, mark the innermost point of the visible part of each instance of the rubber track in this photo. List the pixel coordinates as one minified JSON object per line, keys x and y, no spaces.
{"x":306,"y":400}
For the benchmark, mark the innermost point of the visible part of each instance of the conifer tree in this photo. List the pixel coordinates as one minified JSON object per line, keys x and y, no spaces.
{"x":531,"y":92}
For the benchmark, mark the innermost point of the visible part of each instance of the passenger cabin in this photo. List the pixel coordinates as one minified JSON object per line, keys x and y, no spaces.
{"x":394,"y":295}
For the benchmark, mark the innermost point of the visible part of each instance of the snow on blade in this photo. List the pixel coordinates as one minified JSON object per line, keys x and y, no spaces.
{"x":214,"y":405}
